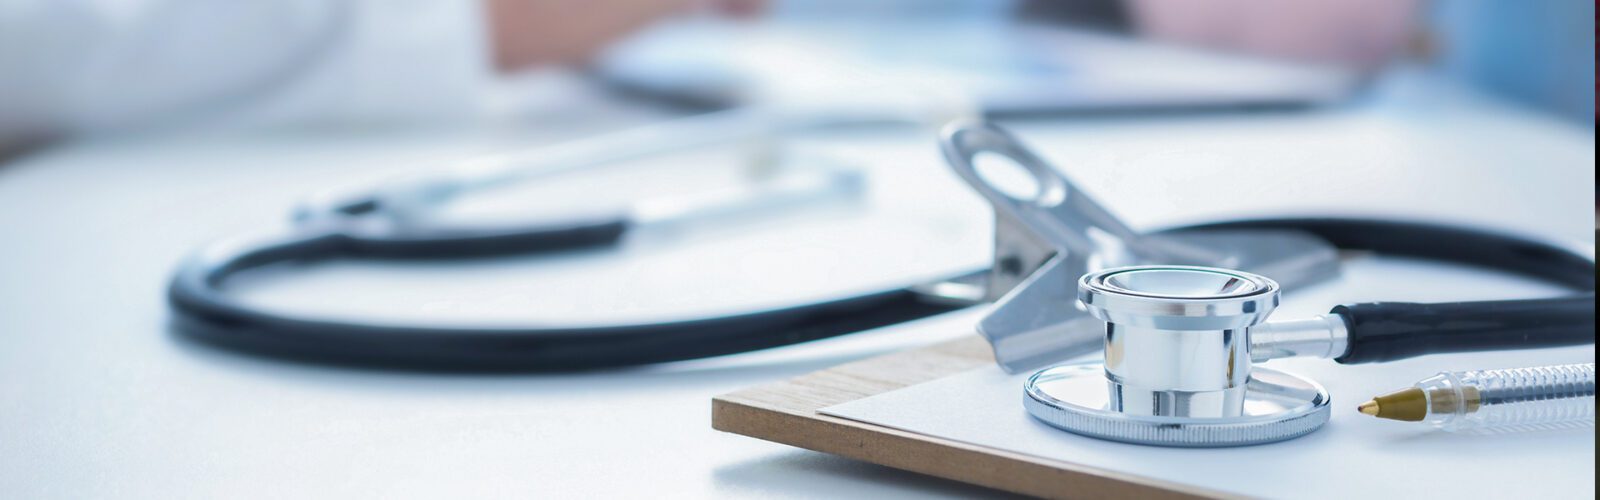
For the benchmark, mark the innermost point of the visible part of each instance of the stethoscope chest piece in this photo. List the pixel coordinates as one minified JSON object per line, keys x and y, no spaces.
{"x":1274,"y":406}
{"x":1177,"y":368}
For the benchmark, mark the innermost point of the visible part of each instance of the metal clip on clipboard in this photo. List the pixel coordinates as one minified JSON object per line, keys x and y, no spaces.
{"x":1044,"y":244}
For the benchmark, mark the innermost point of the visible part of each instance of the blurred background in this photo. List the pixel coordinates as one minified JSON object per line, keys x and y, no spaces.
{"x":76,"y":67}
{"x":133,"y":132}
{"x":288,"y":101}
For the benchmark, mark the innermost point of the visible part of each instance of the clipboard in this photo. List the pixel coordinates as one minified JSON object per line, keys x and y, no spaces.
{"x":787,"y":412}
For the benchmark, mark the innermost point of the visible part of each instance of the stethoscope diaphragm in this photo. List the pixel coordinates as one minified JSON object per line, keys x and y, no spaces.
{"x":1275,"y":406}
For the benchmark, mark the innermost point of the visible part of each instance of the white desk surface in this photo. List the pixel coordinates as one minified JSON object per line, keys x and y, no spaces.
{"x":98,"y":398}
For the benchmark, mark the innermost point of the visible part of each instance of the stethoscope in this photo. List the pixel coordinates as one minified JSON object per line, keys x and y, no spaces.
{"x":1044,"y":244}
{"x":1179,"y":331}
{"x":1181,"y":343}
{"x":395,"y":221}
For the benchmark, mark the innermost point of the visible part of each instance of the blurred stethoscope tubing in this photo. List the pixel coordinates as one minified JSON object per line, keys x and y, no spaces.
{"x":387,"y":224}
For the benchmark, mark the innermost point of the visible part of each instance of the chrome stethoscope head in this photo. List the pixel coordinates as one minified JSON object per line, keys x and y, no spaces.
{"x":1177,"y":368}
{"x":1180,"y":336}
{"x":1177,"y":351}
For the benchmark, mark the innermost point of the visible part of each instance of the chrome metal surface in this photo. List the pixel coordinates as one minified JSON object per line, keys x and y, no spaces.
{"x":1323,"y":336}
{"x":1046,"y":241}
{"x":1149,"y":360}
{"x":1178,"y":366}
{"x":1178,"y":297}
{"x":1273,"y":406}
{"x":1059,"y":219}
{"x":413,"y":202}
{"x":1177,"y":339}
{"x":788,"y":185}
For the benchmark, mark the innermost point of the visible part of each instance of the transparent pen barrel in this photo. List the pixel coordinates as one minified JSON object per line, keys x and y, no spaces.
{"x":1513,"y":399}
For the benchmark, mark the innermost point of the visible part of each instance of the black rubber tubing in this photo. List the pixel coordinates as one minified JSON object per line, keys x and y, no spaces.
{"x":1387,"y":331}
{"x":205,"y":312}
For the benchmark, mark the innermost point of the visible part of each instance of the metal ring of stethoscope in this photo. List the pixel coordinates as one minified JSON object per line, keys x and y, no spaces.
{"x":204,"y":311}
{"x":1275,"y":406}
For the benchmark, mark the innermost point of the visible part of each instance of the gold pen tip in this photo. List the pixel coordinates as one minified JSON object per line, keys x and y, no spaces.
{"x":1369,"y":408}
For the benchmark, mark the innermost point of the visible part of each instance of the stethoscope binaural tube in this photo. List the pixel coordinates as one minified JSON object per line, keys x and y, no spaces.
{"x":1387,"y":331}
{"x":203,"y":310}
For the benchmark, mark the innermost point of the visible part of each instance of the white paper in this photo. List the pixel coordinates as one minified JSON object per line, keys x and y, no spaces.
{"x":1353,"y":456}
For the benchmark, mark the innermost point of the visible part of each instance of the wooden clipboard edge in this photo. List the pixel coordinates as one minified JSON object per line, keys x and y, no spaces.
{"x":786,"y":412}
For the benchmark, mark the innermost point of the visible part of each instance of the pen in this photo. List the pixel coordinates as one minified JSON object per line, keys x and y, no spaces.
{"x":1509,"y":399}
